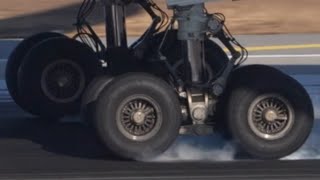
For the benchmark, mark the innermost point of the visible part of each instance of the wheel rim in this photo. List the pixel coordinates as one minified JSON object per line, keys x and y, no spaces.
{"x":139,"y":118}
{"x":271,"y":117}
{"x":63,"y":81}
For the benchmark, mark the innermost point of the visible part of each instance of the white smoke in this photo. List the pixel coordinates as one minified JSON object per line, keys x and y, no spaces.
{"x":207,"y":148}
{"x":215,"y":148}
{"x":3,"y":85}
{"x":311,"y":149}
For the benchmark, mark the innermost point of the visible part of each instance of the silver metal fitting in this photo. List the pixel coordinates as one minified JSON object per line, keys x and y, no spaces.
{"x":200,"y":113}
{"x":183,"y":94}
{"x":217,"y":89}
{"x":184,"y":113}
{"x":214,"y":25}
{"x":193,"y":22}
{"x":198,"y":106}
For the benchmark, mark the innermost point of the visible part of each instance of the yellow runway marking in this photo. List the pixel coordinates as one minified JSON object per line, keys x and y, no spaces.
{"x":281,"y":47}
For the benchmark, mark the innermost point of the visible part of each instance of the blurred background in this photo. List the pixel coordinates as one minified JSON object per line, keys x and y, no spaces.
{"x":21,"y":18}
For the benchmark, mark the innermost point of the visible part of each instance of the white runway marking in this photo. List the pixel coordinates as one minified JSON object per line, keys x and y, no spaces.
{"x":285,"y":56}
{"x":12,"y":39}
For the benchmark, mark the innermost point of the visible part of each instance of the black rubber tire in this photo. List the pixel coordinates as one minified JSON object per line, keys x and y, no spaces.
{"x":14,"y":62}
{"x":236,"y":78}
{"x":251,"y":82}
{"x":114,"y":95}
{"x":90,"y":96}
{"x":45,"y":53}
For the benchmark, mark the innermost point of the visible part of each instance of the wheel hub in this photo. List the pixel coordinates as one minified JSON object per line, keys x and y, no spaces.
{"x":271,"y":117}
{"x":63,"y":81}
{"x":140,"y":118}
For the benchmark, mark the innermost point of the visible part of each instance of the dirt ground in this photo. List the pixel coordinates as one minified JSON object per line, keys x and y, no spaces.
{"x":21,"y":18}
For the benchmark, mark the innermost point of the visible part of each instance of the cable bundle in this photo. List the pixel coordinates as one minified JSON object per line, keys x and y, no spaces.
{"x":164,"y":16}
{"x":244,"y":51}
{"x":84,"y":30}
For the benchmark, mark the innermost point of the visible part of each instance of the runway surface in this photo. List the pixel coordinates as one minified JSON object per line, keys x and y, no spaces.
{"x":32,"y":148}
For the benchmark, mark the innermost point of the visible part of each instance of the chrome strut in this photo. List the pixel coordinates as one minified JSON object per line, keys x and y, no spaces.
{"x":115,"y":18}
{"x":192,"y":28}
{"x":192,"y":21}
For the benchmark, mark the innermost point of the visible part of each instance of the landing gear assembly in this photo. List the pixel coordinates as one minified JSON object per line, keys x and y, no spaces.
{"x":175,"y":79}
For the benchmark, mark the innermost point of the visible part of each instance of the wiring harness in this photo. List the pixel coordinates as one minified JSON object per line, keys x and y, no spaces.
{"x":84,"y":30}
{"x":164,"y":17}
{"x":243,"y":51}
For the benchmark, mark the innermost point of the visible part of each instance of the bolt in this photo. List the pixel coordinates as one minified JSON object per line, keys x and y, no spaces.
{"x":199,"y":113}
{"x":139,"y":117}
{"x":217,"y":89}
{"x":271,"y":116}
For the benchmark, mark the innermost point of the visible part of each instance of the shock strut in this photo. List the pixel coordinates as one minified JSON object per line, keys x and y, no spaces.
{"x":193,"y":23}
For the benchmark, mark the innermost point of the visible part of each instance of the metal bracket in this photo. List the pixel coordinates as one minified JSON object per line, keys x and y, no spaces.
{"x":198,"y":105}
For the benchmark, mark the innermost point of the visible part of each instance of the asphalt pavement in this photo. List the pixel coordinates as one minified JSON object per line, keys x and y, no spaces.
{"x":33,"y":148}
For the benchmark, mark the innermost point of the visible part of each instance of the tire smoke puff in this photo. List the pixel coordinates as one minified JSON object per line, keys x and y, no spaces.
{"x":215,"y":148}
{"x":206,"y":148}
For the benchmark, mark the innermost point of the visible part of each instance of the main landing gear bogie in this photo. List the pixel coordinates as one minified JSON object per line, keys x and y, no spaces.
{"x":267,"y":113}
{"x":139,"y":99}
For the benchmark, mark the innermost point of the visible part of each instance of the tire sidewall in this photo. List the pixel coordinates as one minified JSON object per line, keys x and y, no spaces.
{"x":90,"y":96}
{"x":45,"y":53}
{"x":16,"y":59}
{"x":244,"y":95}
{"x":113,"y":96}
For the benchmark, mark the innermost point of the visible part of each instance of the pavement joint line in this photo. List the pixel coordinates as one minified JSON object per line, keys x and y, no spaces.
{"x":11,"y":39}
{"x":265,"y":48}
{"x":280,"y":47}
{"x":260,"y":56}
